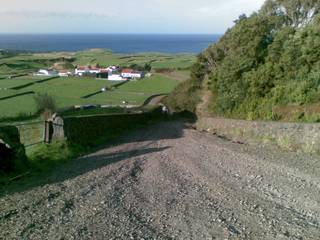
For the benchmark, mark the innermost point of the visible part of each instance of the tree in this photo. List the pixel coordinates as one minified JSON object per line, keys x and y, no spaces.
{"x":147,"y":67}
{"x":271,"y":58}
{"x":46,"y":104}
{"x":296,"y":12}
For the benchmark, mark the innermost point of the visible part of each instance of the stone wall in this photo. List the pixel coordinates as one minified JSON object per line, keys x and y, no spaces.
{"x":90,"y":130}
{"x":291,"y":136}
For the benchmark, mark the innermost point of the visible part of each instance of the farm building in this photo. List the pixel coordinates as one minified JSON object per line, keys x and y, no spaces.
{"x":87,"y":70}
{"x":64,"y":73}
{"x":116,"y":77}
{"x":130,"y":73}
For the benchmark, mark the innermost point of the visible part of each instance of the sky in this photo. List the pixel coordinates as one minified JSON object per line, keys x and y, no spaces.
{"x":122,"y":16}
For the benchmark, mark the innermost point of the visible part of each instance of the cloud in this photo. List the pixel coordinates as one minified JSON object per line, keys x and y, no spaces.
{"x":138,"y":16}
{"x":228,"y":8}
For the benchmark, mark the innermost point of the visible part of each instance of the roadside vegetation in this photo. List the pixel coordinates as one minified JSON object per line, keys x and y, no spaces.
{"x":266,"y":67}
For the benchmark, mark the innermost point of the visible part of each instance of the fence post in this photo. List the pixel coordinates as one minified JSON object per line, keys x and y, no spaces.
{"x":58,"y":128}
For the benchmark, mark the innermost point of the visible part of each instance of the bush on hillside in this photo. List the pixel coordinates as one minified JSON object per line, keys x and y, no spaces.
{"x":45,"y":104}
{"x":186,"y":95}
{"x":269,"y":59}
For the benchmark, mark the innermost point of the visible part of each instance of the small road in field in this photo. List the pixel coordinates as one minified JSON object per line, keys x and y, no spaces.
{"x":171,"y":182}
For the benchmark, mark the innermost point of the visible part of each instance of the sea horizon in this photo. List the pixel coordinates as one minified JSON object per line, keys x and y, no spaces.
{"x":127,"y":43}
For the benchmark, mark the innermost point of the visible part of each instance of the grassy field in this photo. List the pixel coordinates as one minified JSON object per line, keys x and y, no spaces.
{"x":157,"y":60}
{"x":27,"y":63}
{"x":69,"y":91}
{"x":15,"y":82}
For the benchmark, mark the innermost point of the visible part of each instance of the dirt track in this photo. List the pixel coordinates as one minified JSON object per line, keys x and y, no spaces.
{"x":168,"y":182}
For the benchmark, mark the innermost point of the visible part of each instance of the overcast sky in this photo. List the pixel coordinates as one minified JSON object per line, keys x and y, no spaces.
{"x":122,"y":16}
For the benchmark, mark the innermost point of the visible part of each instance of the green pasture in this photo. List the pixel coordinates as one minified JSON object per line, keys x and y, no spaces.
{"x":27,"y":63}
{"x":69,"y":92}
{"x":157,"y":60}
{"x":19,"y":81}
{"x":154,"y":84}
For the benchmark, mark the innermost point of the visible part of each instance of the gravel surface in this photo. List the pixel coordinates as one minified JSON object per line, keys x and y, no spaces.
{"x":172,"y":182}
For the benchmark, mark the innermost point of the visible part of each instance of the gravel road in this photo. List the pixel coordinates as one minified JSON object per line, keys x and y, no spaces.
{"x":172,"y":182}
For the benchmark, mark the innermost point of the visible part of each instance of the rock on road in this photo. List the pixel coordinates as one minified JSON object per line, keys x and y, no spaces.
{"x":171,"y":182}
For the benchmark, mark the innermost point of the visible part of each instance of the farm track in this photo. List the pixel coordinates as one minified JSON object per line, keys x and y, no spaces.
{"x":171,"y":182}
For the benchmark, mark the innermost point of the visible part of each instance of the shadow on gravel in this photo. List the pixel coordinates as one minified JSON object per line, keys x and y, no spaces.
{"x":171,"y":127}
{"x":75,"y":168}
{"x":165,"y":130}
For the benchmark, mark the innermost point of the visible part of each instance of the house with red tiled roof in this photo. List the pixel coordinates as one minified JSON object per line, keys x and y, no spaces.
{"x":64,"y":73}
{"x":84,"y":70}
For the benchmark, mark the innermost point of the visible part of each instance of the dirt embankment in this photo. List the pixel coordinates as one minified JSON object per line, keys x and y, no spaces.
{"x":170,"y":182}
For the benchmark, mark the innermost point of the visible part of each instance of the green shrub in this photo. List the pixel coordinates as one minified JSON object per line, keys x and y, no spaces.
{"x":186,"y":96}
{"x":269,"y":59}
{"x":45,"y":156}
{"x":45,"y":102}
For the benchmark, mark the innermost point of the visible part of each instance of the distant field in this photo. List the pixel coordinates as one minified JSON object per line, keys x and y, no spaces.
{"x":15,"y":82}
{"x":157,"y":60}
{"x":69,"y":91}
{"x":27,"y":63}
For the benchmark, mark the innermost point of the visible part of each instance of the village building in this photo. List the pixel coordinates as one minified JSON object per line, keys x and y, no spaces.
{"x":131,"y":74}
{"x":104,"y":73}
{"x":112,"y":68}
{"x":112,"y":73}
{"x":64,"y":73}
{"x":100,"y":72}
{"x":116,"y":77}
{"x":80,"y":71}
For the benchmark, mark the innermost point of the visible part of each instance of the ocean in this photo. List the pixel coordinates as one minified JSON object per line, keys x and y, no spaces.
{"x":119,"y":43}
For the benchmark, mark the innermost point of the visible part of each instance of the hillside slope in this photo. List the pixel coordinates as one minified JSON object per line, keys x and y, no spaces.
{"x":265,"y":67}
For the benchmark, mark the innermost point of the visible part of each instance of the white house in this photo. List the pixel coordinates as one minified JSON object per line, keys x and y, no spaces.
{"x":115,"y":77}
{"x":130,"y":73}
{"x":94,"y":70}
{"x":64,"y":73}
{"x":112,"y":68}
{"x":82,"y":70}
{"x":45,"y":72}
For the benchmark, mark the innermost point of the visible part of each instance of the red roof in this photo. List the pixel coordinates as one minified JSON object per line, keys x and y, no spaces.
{"x":82,"y":68}
{"x":127,"y":70}
{"x":94,"y":68}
